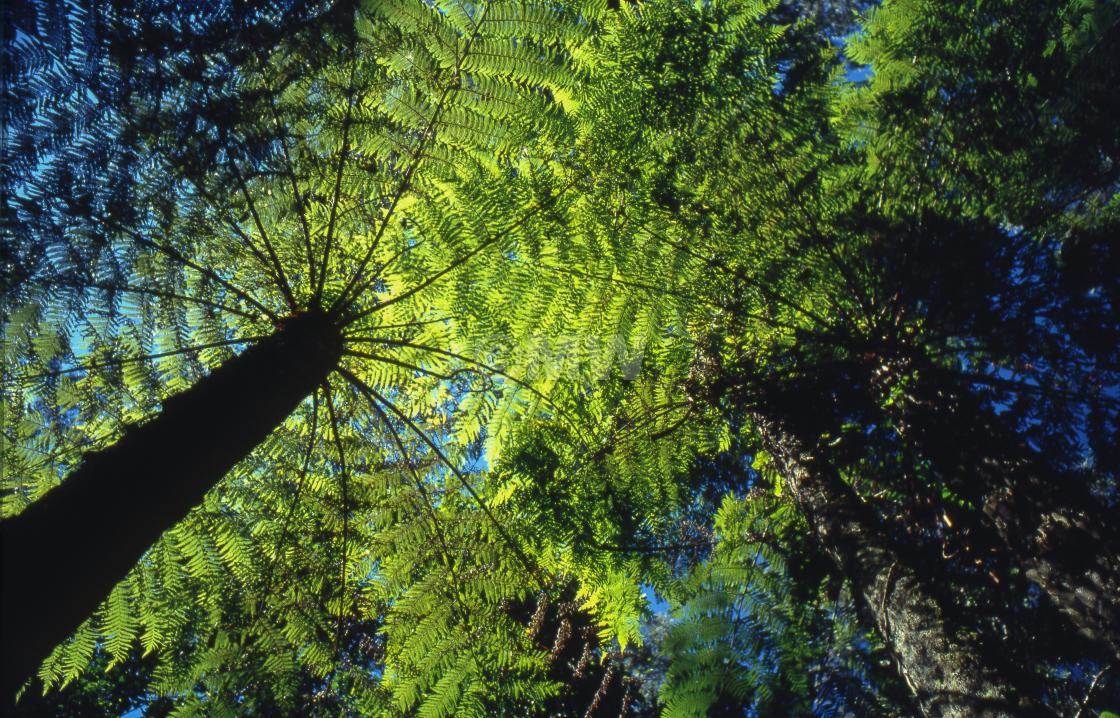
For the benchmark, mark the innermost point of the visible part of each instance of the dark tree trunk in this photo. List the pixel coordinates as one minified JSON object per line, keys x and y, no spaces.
{"x":1048,"y":522}
{"x":65,"y":552}
{"x":943,"y":670}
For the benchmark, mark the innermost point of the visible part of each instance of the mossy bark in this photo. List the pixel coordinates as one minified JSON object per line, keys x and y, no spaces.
{"x":941,"y":666}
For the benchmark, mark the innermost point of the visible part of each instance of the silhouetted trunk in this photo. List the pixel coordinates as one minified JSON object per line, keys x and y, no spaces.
{"x":1048,"y":522}
{"x":65,"y":552}
{"x":943,"y":670}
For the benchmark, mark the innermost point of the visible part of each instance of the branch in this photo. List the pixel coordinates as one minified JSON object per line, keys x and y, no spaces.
{"x":373,"y":395}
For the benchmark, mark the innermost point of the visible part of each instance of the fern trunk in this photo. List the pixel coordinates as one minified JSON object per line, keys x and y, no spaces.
{"x":65,"y":552}
{"x":942,"y":669}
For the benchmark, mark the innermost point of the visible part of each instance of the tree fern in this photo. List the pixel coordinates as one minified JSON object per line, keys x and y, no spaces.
{"x":233,"y":258}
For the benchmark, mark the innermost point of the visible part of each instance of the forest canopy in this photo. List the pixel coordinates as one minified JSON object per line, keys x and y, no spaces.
{"x":573,"y":359}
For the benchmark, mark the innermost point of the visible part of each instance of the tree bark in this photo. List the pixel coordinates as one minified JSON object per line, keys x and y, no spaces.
{"x":65,"y":552}
{"x":1048,"y":522}
{"x":942,"y":669}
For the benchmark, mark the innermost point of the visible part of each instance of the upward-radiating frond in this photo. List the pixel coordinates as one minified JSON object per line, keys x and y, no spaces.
{"x":395,"y":189}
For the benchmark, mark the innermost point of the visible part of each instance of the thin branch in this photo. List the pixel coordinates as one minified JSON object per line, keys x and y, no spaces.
{"x":229,"y":220}
{"x":177,"y":256}
{"x":406,"y":365}
{"x":461,"y":357}
{"x":350,"y":99}
{"x":665,"y":290}
{"x":381,"y":272}
{"x":1092,"y":689}
{"x":281,"y":277}
{"x":464,"y":258}
{"x":146,"y":357}
{"x":1045,"y":391}
{"x":673,"y":427}
{"x":267,"y":265}
{"x":344,"y":300}
{"x":428,"y":506}
{"x":291,"y":174}
{"x":853,"y":286}
{"x":740,"y":275}
{"x":345,"y":517}
{"x":373,"y":395}
{"x":284,"y":531}
{"x":664,"y":548}
{"x":458,"y":262}
{"x":405,"y":325}
{"x":104,"y":286}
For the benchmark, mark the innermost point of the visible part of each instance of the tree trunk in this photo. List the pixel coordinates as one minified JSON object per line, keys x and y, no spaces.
{"x":943,"y":670}
{"x":1048,"y":522}
{"x":65,"y":552}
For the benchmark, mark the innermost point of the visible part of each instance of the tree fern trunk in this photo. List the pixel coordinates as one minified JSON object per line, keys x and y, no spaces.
{"x":65,"y":552}
{"x":943,"y":670}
